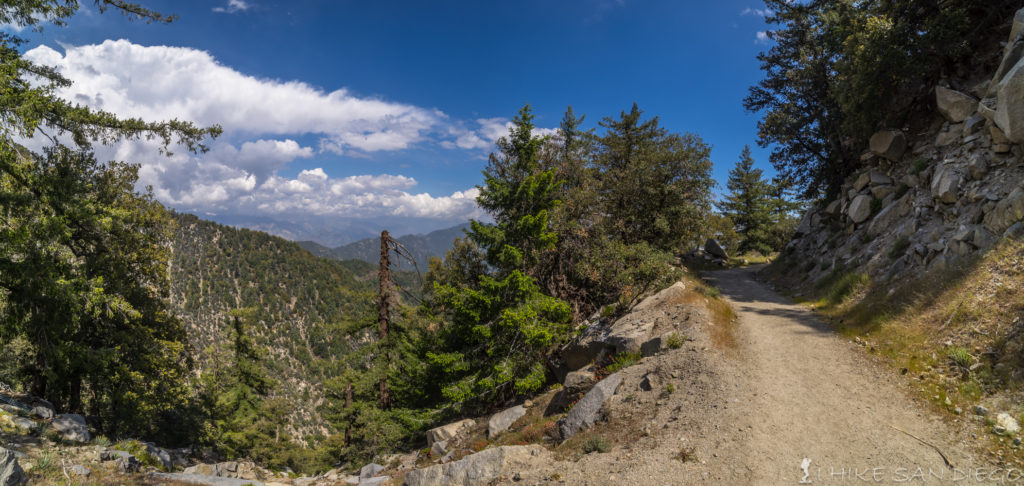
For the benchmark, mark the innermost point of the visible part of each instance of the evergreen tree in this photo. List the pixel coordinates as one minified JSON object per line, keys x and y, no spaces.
{"x":749,"y":205}
{"x":240,"y":418}
{"x":83,"y":276}
{"x":655,"y":185}
{"x":499,"y":331}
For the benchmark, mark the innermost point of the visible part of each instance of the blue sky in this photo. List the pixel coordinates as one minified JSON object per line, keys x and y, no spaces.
{"x":384,"y":111}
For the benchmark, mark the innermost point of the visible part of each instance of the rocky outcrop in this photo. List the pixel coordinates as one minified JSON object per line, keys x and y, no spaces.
{"x":954,"y":105}
{"x":501,"y":421}
{"x":478,"y":469}
{"x":713,"y":247}
{"x":449,"y":431}
{"x":11,"y":473}
{"x":646,"y":321}
{"x":889,"y":144}
{"x":1004,"y":103}
{"x":589,"y":409}
{"x":71,"y":427}
{"x":946,"y":184}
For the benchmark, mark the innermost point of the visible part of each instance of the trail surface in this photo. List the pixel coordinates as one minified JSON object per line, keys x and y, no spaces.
{"x":815,"y":396}
{"x":787,"y":392}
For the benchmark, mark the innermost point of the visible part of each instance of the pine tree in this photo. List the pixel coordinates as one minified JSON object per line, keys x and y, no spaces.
{"x":499,"y":332}
{"x":83,"y":257}
{"x":655,"y":185}
{"x":748,"y":205}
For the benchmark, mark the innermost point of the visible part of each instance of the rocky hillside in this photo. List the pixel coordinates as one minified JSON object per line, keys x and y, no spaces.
{"x":927,"y":200}
{"x":422,"y":247}
{"x":302,"y":303}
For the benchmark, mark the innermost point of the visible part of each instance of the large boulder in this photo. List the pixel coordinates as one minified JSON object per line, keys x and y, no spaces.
{"x":11,"y":473}
{"x":71,"y":427}
{"x":860,"y":208}
{"x":478,"y":469}
{"x":590,"y":408}
{"x":713,"y":247}
{"x":889,"y":144}
{"x":888,"y":217}
{"x":501,"y":421}
{"x":954,"y":105}
{"x":370,"y":470}
{"x":1010,"y":104}
{"x":1007,"y":212}
{"x":126,"y":462}
{"x":946,"y":185}
{"x":449,"y":431}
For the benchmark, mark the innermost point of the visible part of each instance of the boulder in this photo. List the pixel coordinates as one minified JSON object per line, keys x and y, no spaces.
{"x":448,"y":432}
{"x":191,"y":478}
{"x":479,"y":469}
{"x":1007,"y":212}
{"x":370,"y":470}
{"x":1010,"y":104}
{"x":946,"y":185}
{"x":973,"y":124}
{"x":977,"y":166}
{"x":947,"y":138}
{"x":1008,"y":423}
{"x":861,"y":182}
{"x":501,"y":421}
{"x":79,"y":470}
{"x":954,"y":105}
{"x":889,"y":144}
{"x":877,"y":178}
{"x":860,"y":208}
{"x":713,"y":247}
{"x":439,"y":448}
{"x":24,"y":425}
{"x":832,"y":209}
{"x":126,"y":463}
{"x":42,"y":411}
{"x":579,"y":381}
{"x":887,"y":218}
{"x":881,"y":192}
{"x":590,"y":408}
{"x":11,"y":473}
{"x":71,"y":427}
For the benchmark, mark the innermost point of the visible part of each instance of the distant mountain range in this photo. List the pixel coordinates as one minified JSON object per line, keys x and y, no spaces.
{"x":330,"y":231}
{"x":422,"y":247}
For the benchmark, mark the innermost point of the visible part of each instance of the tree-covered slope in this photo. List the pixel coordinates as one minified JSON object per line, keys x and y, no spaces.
{"x":422,"y":247}
{"x":302,"y":304}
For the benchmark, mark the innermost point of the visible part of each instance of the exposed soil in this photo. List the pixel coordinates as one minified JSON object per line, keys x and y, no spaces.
{"x":790,"y":390}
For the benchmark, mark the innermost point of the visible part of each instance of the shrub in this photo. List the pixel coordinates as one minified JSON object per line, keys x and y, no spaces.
{"x":596,"y":444}
{"x":919,"y":165}
{"x":876,"y":205}
{"x":675,"y":341}
{"x":960,"y":357}
{"x":709,"y":291}
{"x":898,"y":248}
{"x":622,"y":360}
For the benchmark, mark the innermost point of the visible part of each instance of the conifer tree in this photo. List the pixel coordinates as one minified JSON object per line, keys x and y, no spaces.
{"x":499,"y":332}
{"x":748,"y":205}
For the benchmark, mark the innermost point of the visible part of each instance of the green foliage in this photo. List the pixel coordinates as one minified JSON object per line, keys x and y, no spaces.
{"x":596,"y":444}
{"x":709,"y":291}
{"x":839,"y":70}
{"x":920,"y":165}
{"x":876,"y":205}
{"x":655,"y":186}
{"x":675,"y":341}
{"x":960,"y":357}
{"x":622,"y":360}
{"x":898,"y":248}
{"x":501,"y":328}
{"x":83,"y":263}
{"x":748,"y":205}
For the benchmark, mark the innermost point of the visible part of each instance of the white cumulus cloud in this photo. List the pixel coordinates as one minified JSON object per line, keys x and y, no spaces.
{"x":233,"y":6}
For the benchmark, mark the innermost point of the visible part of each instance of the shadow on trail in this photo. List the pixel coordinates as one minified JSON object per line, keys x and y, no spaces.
{"x":740,"y":286}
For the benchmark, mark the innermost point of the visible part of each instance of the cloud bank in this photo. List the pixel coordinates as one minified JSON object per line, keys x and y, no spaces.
{"x":262,"y":121}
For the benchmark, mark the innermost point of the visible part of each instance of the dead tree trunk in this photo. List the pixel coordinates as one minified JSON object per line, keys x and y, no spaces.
{"x":384,"y":313}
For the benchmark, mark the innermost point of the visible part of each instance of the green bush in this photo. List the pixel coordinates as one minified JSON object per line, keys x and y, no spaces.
{"x":675,"y":341}
{"x":623,"y":360}
{"x":596,"y":444}
{"x":898,"y":248}
{"x":960,"y":357}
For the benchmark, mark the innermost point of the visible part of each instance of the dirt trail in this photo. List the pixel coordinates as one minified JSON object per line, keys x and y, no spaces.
{"x":814,"y":395}
{"x":790,"y":390}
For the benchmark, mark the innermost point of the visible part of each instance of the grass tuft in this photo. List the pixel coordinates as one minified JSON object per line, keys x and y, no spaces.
{"x":596,"y":444}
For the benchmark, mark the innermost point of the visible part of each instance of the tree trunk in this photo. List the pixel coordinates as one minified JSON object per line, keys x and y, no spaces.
{"x":384,"y":313}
